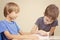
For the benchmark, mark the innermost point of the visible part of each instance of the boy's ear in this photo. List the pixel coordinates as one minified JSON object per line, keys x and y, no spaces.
{"x":8,"y":13}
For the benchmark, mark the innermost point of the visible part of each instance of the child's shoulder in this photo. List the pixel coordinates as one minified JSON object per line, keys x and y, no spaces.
{"x":40,"y":18}
{"x":1,"y":21}
{"x":55,"y":21}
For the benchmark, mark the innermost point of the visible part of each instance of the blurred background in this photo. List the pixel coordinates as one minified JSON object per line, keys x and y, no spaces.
{"x":30,"y":11}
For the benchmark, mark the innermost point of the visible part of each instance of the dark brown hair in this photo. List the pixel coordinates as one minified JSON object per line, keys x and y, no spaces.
{"x":10,"y":7}
{"x":52,"y":11}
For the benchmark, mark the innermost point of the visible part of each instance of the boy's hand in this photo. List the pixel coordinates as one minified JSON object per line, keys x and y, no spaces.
{"x":43,"y":33}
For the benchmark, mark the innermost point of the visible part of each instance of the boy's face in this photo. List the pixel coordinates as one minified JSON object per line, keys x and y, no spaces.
{"x":13,"y":15}
{"x":47,"y":20}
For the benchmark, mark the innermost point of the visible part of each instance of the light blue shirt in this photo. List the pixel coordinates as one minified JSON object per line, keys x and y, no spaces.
{"x":11,"y":27}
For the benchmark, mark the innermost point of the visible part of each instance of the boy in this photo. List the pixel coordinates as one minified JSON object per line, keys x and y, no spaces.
{"x":8,"y":27}
{"x":47,"y":24}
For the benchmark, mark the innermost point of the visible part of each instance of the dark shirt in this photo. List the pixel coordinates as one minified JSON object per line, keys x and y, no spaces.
{"x":42,"y":26}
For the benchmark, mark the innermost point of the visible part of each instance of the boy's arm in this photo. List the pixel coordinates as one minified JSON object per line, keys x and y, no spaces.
{"x":52,"y":30}
{"x":34,"y":29}
{"x":21,"y":32}
{"x":11,"y":36}
{"x":44,"y":33}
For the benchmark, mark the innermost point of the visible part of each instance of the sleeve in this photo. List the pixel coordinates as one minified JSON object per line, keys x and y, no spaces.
{"x":2,"y":27}
{"x":55,"y":23}
{"x":38,"y":22}
{"x":18,"y":28}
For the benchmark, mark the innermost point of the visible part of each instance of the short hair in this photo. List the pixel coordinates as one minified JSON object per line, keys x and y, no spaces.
{"x":52,"y":11}
{"x":10,"y":7}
